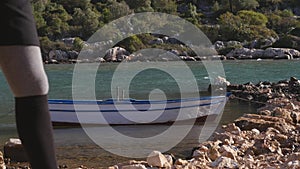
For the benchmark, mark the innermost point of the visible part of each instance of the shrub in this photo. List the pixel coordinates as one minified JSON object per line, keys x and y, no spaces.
{"x":78,"y":44}
{"x":281,"y":21}
{"x":253,"y":18}
{"x":212,"y":32}
{"x":246,"y":25}
{"x":132,"y":44}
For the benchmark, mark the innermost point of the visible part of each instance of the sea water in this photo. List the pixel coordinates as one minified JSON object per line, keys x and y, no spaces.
{"x":73,"y":141}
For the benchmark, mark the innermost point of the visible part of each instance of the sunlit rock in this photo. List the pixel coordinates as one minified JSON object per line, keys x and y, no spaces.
{"x":157,"y":159}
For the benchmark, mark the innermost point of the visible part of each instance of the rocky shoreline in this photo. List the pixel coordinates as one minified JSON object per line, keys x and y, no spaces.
{"x":220,"y":50}
{"x":268,"y":139}
{"x":118,"y":54}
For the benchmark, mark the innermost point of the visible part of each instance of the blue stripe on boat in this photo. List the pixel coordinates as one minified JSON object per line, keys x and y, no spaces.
{"x":131,"y":101}
{"x":171,"y":108}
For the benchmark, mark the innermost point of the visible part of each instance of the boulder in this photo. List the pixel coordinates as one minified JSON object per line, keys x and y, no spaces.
{"x":73,"y":54}
{"x":116,"y":54}
{"x":58,"y":55}
{"x":173,"y":40}
{"x":14,"y":150}
{"x":281,"y":53}
{"x":239,"y":53}
{"x":257,"y":53}
{"x":270,"y":53}
{"x":156,"y":41}
{"x":219,"y":45}
{"x":157,"y":159}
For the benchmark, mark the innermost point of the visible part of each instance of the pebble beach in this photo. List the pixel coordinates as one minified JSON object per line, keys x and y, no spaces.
{"x":269,"y":138}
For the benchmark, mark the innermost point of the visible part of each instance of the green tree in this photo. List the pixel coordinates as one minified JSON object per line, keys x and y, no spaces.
{"x":270,"y":4}
{"x":253,"y":18}
{"x":140,"y":5}
{"x":44,"y":2}
{"x":41,"y":24}
{"x":165,"y":6}
{"x":216,"y":6}
{"x":282,"y":21}
{"x":236,"y":5}
{"x":132,"y":44}
{"x":191,"y":14}
{"x":78,"y":44}
{"x":115,"y":10}
{"x":246,"y":25}
{"x":70,"y":5}
{"x":86,"y":22}
{"x":56,"y":18}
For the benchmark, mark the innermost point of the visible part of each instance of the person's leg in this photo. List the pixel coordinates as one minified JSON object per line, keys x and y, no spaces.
{"x":23,"y":69}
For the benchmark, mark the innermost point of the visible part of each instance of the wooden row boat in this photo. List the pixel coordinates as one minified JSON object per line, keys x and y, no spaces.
{"x":130,"y":111}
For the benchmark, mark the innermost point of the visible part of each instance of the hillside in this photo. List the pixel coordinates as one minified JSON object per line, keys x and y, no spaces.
{"x":272,"y":22}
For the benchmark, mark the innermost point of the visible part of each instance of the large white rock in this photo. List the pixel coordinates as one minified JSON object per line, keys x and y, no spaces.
{"x":270,"y":53}
{"x":116,"y":54}
{"x":157,"y":159}
{"x":280,"y":52}
{"x":236,"y":53}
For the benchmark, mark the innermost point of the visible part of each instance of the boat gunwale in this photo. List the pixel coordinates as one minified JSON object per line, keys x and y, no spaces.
{"x":141,"y":110}
{"x":131,"y":101}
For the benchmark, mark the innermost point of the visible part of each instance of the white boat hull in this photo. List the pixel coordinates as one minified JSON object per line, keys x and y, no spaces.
{"x":130,"y":111}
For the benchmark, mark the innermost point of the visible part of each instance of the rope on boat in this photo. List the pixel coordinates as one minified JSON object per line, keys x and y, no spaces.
{"x":247,"y":100}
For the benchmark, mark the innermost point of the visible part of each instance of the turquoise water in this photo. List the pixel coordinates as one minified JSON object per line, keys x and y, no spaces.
{"x":60,"y":79}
